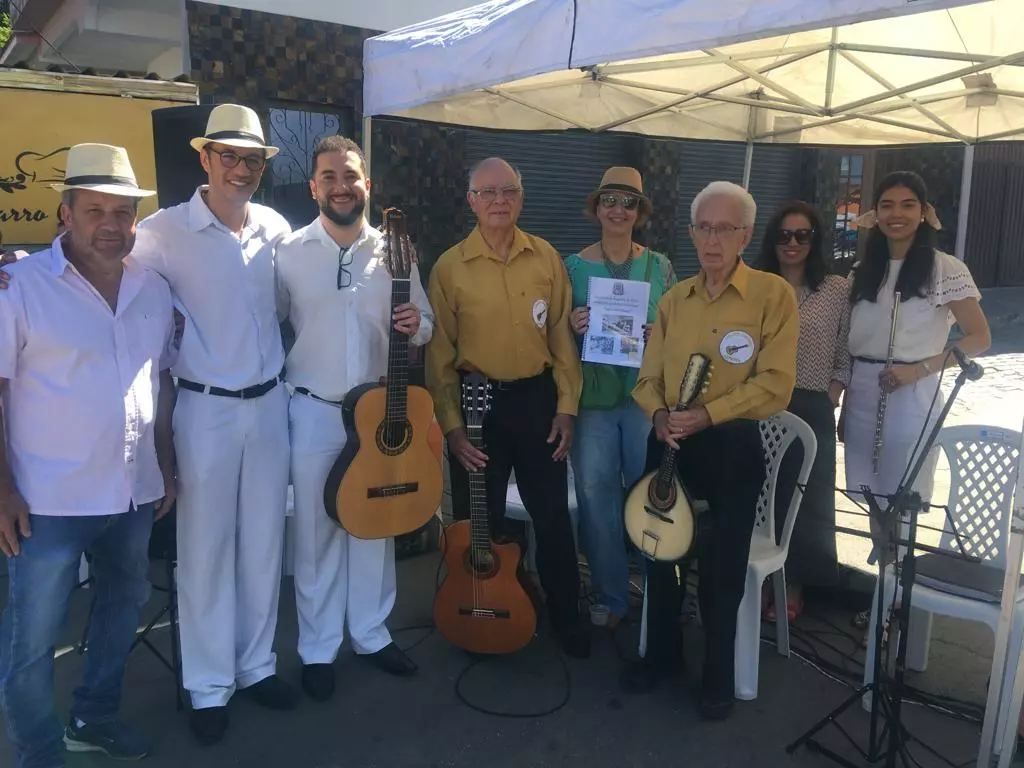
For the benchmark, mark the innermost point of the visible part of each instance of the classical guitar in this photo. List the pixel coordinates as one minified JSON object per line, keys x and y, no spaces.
{"x":387,"y":480}
{"x":481,"y":607}
{"x":659,"y":509}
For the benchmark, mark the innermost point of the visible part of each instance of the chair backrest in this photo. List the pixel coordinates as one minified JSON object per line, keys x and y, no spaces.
{"x":778,"y":433}
{"x":982,"y":475}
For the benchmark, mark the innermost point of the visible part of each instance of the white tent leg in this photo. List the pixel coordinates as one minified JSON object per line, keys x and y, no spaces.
{"x":747,"y":162}
{"x":367,"y":142}
{"x":965,"y":202}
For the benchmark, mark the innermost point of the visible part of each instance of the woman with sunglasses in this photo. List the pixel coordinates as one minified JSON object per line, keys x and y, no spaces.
{"x":610,"y":447}
{"x":936,"y":290}
{"x":793,"y":248}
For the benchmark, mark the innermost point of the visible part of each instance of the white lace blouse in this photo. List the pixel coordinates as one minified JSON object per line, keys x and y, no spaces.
{"x":922,"y":325}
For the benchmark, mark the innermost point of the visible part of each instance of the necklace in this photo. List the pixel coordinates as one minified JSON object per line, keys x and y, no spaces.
{"x":618,"y":271}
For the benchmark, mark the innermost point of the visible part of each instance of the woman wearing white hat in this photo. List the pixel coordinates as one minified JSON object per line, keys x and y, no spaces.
{"x":230,"y":423}
{"x":86,"y":341}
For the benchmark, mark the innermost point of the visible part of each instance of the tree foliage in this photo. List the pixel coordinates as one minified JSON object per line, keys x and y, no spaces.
{"x":5,"y":29}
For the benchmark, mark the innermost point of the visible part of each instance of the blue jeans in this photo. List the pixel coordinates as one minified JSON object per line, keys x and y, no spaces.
{"x":41,"y":579}
{"x":608,"y":455}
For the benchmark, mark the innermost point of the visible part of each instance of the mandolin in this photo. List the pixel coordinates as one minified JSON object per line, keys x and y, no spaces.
{"x":387,"y":480}
{"x":481,"y":607}
{"x":659,"y":509}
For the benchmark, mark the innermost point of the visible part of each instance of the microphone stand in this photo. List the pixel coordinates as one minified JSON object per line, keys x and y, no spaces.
{"x":906,"y":503}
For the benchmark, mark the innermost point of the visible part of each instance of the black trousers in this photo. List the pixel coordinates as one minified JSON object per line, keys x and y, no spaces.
{"x":723,"y":465}
{"x":812,"y":560}
{"x":516,"y":430}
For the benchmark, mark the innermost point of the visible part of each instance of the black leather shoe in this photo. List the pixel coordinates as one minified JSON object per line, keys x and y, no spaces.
{"x":575,"y":641}
{"x":392,"y":660}
{"x":273,"y":693}
{"x":715,"y":707}
{"x":318,"y":681}
{"x":208,"y":725}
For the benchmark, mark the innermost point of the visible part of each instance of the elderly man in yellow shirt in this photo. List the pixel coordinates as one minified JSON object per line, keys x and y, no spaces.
{"x":502,"y":301}
{"x":747,"y":323}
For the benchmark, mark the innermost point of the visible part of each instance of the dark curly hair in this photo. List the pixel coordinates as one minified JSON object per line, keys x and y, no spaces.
{"x":815,"y":268}
{"x":869,"y":274}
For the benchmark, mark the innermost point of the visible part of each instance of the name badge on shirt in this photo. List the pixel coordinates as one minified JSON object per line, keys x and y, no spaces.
{"x":737,"y":347}
{"x":540,"y":313}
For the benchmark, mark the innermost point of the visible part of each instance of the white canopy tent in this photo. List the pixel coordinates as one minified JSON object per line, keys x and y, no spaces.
{"x":837,"y":72}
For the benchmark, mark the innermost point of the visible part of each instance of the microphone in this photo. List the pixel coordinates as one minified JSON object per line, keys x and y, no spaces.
{"x":971,"y":368}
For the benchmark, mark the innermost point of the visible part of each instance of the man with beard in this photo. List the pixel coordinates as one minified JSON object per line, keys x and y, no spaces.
{"x":230,"y":421}
{"x":335,"y":290}
{"x":86,"y":460}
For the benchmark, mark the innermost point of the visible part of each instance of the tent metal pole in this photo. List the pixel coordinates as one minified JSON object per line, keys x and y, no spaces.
{"x":748,"y":160}
{"x":367,"y":143}
{"x":965,"y":202}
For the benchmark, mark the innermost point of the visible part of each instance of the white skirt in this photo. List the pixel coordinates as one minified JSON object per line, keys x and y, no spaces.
{"x":906,"y":413}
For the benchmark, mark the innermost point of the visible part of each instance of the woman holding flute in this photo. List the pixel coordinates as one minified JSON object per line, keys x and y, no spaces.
{"x":900,"y":347}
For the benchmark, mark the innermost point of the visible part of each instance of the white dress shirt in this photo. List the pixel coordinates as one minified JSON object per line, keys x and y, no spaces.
{"x":224,"y":286}
{"x":341,"y":334}
{"x":80,"y":405}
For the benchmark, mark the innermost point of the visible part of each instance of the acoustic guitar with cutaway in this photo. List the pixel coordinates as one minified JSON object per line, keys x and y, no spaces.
{"x":659,"y":510}
{"x":481,"y":606}
{"x":387,"y":481}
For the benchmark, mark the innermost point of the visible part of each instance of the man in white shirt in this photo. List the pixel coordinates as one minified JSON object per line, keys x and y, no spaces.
{"x":230,"y":422}
{"x":335,"y":290}
{"x":86,"y":460}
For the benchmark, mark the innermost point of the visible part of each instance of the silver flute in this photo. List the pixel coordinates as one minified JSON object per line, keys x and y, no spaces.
{"x":883,"y":395}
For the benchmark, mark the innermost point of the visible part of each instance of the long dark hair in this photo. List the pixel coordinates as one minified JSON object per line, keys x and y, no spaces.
{"x":869,"y":274}
{"x":815,"y":268}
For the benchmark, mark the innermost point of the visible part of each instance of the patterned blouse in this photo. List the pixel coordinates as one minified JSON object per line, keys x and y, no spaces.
{"x":823,"y":353}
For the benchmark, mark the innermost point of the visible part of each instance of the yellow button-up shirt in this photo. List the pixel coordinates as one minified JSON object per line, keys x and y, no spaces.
{"x":749,"y":332}
{"x":506,"y":319}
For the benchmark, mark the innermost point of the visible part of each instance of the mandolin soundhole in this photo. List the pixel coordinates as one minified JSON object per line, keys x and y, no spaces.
{"x":661,"y":498}
{"x":393,"y":437}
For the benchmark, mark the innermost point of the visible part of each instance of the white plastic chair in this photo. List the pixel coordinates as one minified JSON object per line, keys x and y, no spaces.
{"x":983,"y":472}
{"x":768,"y":556}
{"x":516,"y":510}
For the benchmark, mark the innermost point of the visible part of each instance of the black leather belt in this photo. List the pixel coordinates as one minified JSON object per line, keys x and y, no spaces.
{"x":875,"y":361}
{"x":510,"y":385}
{"x":249,"y":393}
{"x":307,"y":393}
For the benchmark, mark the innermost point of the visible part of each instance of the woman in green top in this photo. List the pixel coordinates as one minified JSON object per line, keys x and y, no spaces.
{"x":610,"y":445}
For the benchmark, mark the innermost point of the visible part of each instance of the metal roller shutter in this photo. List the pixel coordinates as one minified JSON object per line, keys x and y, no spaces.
{"x":559,"y":171}
{"x":774,"y":177}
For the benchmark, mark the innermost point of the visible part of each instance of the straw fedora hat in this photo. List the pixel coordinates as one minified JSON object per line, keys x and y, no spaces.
{"x":101,"y":168}
{"x":236,"y":126}
{"x":620,"y":178}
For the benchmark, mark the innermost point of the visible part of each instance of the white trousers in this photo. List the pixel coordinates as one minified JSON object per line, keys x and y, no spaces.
{"x":232,"y":497}
{"x":338,"y":578}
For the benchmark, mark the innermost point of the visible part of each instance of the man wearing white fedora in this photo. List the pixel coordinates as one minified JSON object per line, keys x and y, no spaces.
{"x":86,"y":342}
{"x":230,"y":422}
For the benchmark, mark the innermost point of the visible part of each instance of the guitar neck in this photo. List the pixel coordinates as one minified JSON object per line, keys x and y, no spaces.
{"x":398,"y":359}
{"x":480,"y":526}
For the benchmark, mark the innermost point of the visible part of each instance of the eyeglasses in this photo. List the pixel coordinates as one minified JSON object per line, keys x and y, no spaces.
{"x":230,"y":159}
{"x":704,"y":231}
{"x":802,"y":236}
{"x":490,"y":194}
{"x":628,"y":202}
{"x":344,"y":260}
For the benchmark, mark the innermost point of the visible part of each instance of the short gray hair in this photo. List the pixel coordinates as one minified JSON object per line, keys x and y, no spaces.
{"x":479,"y":164}
{"x":726,"y":189}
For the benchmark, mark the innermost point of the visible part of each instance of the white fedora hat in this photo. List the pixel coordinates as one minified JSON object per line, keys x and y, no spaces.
{"x":101,"y":168}
{"x":236,"y":126}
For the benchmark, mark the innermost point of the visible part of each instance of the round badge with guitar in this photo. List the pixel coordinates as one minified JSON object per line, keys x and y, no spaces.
{"x":659,"y":512}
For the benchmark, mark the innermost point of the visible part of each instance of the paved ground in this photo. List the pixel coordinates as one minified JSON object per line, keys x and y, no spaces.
{"x":430,"y":722}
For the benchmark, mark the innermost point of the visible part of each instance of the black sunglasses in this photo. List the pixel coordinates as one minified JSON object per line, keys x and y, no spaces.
{"x":802,"y":236}
{"x":344,"y":260}
{"x":230,"y":159}
{"x":629,"y":202}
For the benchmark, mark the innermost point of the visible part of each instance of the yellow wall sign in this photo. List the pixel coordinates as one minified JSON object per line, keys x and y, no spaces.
{"x":34,"y":147}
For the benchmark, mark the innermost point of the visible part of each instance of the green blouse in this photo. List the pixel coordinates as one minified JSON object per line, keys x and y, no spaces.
{"x":607,"y":386}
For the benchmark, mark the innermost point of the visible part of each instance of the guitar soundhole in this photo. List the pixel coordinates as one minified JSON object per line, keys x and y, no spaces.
{"x":393,"y":437}
{"x":482,"y":562}
{"x":661,"y":498}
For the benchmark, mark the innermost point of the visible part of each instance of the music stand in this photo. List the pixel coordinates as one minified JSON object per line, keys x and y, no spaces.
{"x":906,"y":504}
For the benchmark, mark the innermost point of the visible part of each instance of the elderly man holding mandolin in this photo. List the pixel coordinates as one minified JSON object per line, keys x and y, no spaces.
{"x":502,"y":300}
{"x":742,"y":325}
{"x":334,"y":287}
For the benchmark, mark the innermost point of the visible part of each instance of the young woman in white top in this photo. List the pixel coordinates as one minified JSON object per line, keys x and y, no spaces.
{"x":936,"y":290}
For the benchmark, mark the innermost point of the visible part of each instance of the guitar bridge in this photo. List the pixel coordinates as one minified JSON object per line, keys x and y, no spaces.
{"x":385,"y":491}
{"x":485,"y":613}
